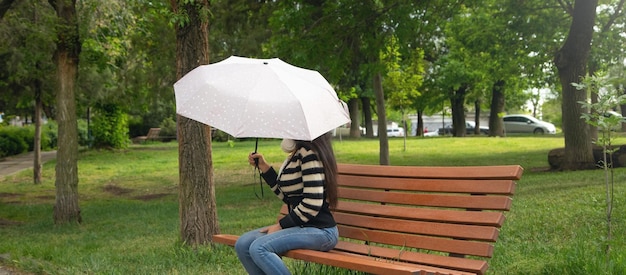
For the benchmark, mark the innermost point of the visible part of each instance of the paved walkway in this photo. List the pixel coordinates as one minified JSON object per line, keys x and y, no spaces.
{"x":13,"y":164}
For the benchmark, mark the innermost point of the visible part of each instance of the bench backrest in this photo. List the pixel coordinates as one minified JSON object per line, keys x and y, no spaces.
{"x":153,"y":133}
{"x":425,"y":215}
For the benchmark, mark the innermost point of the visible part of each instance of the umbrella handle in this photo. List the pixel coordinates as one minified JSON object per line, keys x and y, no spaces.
{"x":256,"y":146}
{"x":256,"y":167}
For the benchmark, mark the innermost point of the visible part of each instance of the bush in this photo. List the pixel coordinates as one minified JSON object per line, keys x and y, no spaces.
{"x":168,"y":128}
{"x":49,"y":133}
{"x":11,"y":143}
{"x":110,"y":127}
{"x":17,"y":140}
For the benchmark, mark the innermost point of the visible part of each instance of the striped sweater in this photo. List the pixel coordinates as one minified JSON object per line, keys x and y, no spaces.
{"x":300,"y":185}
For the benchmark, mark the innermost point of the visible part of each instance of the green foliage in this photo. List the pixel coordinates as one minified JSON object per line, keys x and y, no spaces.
{"x":50,"y":132}
{"x":220,"y":136}
{"x":608,"y":98}
{"x":168,"y":127}
{"x":16,"y":140}
{"x":11,"y":142}
{"x":26,"y":63}
{"x":404,"y":75}
{"x":128,"y":61}
{"x":110,"y":127}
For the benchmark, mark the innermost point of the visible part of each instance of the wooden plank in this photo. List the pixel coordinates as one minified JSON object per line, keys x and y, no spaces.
{"x":487,"y":218}
{"x":474,"y":266}
{"x":225,"y":239}
{"x":512,"y":172}
{"x":460,"y":231}
{"x":407,"y":241}
{"x":449,"y":201}
{"x":366,"y":264}
{"x":504,"y":187}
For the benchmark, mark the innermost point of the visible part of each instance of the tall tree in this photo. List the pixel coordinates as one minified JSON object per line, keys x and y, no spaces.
{"x":26,"y":66}
{"x":66,"y":207}
{"x":571,"y":62}
{"x":197,"y":208}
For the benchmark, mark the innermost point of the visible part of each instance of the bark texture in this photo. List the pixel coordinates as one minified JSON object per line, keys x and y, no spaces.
{"x":571,"y":62}
{"x":383,"y":140}
{"x":496,"y":125}
{"x":457,"y":104}
{"x":197,"y":208}
{"x":66,"y":209}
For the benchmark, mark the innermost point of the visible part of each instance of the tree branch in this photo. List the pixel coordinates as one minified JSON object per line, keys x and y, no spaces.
{"x":618,"y":12}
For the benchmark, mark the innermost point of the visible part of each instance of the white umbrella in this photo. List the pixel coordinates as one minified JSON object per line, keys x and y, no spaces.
{"x":269,"y":98}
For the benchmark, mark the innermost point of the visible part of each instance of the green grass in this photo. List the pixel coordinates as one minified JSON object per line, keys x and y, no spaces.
{"x":130,"y":224}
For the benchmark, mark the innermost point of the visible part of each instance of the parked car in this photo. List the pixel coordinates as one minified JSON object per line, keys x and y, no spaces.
{"x":344,"y":131}
{"x":469,"y":129}
{"x":428,"y":133}
{"x":395,"y":132}
{"x":527,"y":124}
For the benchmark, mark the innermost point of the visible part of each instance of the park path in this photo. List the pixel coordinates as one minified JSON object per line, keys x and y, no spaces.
{"x":13,"y":164}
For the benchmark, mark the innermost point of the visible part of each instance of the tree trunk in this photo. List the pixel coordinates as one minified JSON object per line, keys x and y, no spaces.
{"x":367,"y":115}
{"x":37,"y":166}
{"x":66,"y":207}
{"x":496,"y":126}
{"x":623,"y":110}
{"x":457,"y":104}
{"x":419,"y":130}
{"x":355,"y":125}
{"x":571,"y":62}
{"x":477,"y":117}
{"x":382,"y":120}
{"x":197,"y":207}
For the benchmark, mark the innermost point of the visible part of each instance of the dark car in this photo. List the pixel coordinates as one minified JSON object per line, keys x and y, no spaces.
{"x":469,"y":129}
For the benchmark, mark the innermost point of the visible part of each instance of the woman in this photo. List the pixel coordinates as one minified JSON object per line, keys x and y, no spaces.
{"x":307,"y":183}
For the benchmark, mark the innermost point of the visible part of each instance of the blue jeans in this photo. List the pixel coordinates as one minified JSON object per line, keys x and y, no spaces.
{"x":259,"y":252}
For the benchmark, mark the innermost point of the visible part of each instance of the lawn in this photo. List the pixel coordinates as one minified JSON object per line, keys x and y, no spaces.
{"x":129,"y":206}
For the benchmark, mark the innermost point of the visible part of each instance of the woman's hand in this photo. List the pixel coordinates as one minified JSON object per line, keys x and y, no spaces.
{"x":271,"y":229}
{"x":260,"y":161}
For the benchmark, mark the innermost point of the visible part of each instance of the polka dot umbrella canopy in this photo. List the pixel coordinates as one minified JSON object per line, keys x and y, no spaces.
{"x":262,"y":98}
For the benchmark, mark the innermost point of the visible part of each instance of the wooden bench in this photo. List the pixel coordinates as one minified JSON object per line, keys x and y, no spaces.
{"x":415,"y":220}
{"x":153,"y":134}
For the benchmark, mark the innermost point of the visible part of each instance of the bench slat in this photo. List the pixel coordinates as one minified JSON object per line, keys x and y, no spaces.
{"x":512,"y":172}
{"x":367,"y":264}
{"x":226,"y":239}
{"x":467,"y":202}
{"x":407,"y":241}
{"x":460,"y":231}
{"x":468,"y":265}
{"x":426,"y":214}
{"x":504,"y":187}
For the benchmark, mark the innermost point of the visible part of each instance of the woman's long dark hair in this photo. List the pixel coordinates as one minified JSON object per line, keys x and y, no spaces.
{"x":324,"y":149}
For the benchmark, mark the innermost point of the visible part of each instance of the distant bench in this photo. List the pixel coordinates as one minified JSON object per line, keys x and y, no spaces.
{"x":153,"y":134}
{"x":415,"y":220}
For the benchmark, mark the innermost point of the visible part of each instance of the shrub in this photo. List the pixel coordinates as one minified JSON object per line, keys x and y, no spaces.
{"x":11,"y":143}
{"x":168,"y":128}
{"x":49,"y":133}
{"x":110,"y":127}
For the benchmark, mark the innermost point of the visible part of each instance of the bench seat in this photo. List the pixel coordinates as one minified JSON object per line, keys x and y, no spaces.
{"x":415,"y":220}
